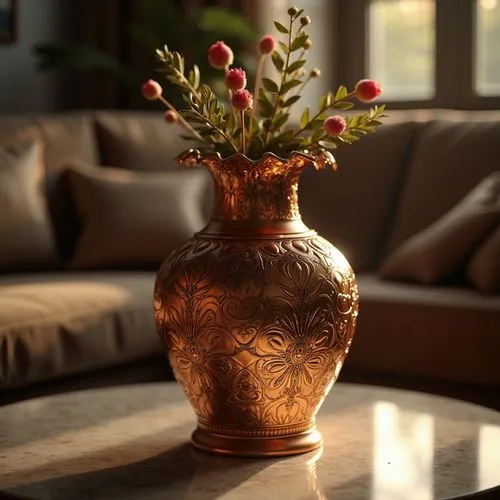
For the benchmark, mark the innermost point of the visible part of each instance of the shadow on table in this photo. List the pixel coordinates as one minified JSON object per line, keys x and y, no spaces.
{"x":140,"y":471}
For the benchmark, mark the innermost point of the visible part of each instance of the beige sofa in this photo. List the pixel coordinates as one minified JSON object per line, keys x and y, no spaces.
{"x":66,"y":320}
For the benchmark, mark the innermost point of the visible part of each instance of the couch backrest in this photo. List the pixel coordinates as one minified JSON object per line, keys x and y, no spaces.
{"x":353,"y":207}
{"x":388,"y":186}
{"x":451,"y":156}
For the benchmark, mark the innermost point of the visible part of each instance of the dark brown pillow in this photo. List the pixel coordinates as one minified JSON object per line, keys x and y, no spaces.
{"x":133,"y":219}
{"x":439,"y":251}
{"x":483,"y":269}
{"x":26,"y":237}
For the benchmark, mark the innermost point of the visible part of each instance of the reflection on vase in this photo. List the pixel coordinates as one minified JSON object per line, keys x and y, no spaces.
{"x":215,"y":475}
{"x":403,"y":454}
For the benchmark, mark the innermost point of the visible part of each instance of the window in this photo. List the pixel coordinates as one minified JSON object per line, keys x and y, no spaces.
{"x":403,"y":32}
{"x":426,"y":53}
{"x":487,"y":47}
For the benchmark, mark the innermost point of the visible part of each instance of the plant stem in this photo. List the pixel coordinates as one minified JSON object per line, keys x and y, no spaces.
{"x":243,"y":145}
{"x":186,"y":83}
{"x":182,"y":122}
{"x":280,"y":91}
{"x":217,"y":129}
{"x":256,"y":90}
{"x":304,"y":83}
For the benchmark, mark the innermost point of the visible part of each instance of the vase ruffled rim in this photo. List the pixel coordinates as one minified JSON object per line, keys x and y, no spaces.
{"x":320,"y":159}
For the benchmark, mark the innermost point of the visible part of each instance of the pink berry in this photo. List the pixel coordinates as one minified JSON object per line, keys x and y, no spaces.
{"x":334,"y":125}
{"x":236,"y":79}
{"x":220,"y":55}
{"x":267,"y":44}
{"x":367,"y":90}
{"x":242,"y":100}
{"x":151,"y":90}
{"x":170,"y":116}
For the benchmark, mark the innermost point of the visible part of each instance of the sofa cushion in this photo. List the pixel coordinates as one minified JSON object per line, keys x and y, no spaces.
{"x":64,"y":136}
{"x":26,"y":238}
{"x":55,"y":324}
{"x":133,"y":219}
{"x":353,"y":207}
{"x":449,"y":160}
{"x":442,"y":333}
{"x":138,"y":140}
{"x":141,"y":140}
{"x":441,"y":250}
{"x":483,"y":269}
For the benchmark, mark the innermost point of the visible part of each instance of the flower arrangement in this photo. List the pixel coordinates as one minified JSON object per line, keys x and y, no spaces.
{"x":259,"y":122}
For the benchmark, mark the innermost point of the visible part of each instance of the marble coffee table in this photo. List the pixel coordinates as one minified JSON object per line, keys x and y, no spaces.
{"x":132,"y":442}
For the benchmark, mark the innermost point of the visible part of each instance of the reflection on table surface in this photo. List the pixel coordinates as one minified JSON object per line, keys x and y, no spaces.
{"x":132,"y":442}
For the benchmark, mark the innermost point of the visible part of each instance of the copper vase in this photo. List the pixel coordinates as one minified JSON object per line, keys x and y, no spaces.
{"x":257,"y":312}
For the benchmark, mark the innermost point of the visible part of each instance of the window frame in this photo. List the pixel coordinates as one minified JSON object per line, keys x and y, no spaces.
{"x":455,"y":54}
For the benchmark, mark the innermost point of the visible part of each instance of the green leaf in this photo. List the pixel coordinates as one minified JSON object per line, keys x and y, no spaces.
{"x":281,"y":28}
{"x":341,"y":93}
{"x":266,"y":124}
{"x":230,"y":122}
{"x":281,"y":138}
{"x":317,"y":134}
{"x":195,"y":81}
{"x":256,"y":147}
{"x":322,"y":102}
{"x":290,"y":85}
{"x":213,"y":106}
{"x":292,"y":100}
{"x":295,"y":65}
{"x":266,"y":107}
{"x":178,"y":62}
{"x":327,"y":144}
{"x":304,"y":119}
{"x":279,"y":121}
{"x":343,"y":105}
{"x":298,"y":42}
{"x":270,"y":85}
{"x":278,"y":61}
{"x":284,"y":47}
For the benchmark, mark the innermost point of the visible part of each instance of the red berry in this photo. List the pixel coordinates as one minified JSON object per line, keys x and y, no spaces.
{"x":267,"y":44}
{"x":242,"y":100}
{"x":236,"y":79}
{"x":220,"y":55}
{"x":367,"y":90}
{"x":151,"y":90}
{"x":334,"y":125}
{"x":170,"y":116}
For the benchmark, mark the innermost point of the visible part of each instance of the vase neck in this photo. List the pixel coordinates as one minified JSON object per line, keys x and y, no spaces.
{"x":256,"y":197}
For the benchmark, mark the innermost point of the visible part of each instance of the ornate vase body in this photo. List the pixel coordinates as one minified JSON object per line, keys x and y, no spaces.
{"x":257,"y":313}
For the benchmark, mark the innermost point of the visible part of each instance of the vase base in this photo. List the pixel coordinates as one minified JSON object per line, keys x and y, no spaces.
{"x":256,"y":447}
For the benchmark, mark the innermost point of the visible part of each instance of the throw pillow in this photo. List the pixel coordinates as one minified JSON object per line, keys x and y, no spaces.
{"x":133,"y":219}
{"x":483,"y":269}
{"x":437,"y":252}
{"x":26,"y":238}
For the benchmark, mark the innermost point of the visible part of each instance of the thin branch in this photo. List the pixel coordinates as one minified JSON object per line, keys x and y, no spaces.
{"x":256,"y":90}
{"x":280,"y":91}
{"x":183,"y":122}
{"x":216,"y":129}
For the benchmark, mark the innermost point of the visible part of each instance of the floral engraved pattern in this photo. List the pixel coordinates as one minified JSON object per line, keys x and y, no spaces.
{"x":256,"y":329}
